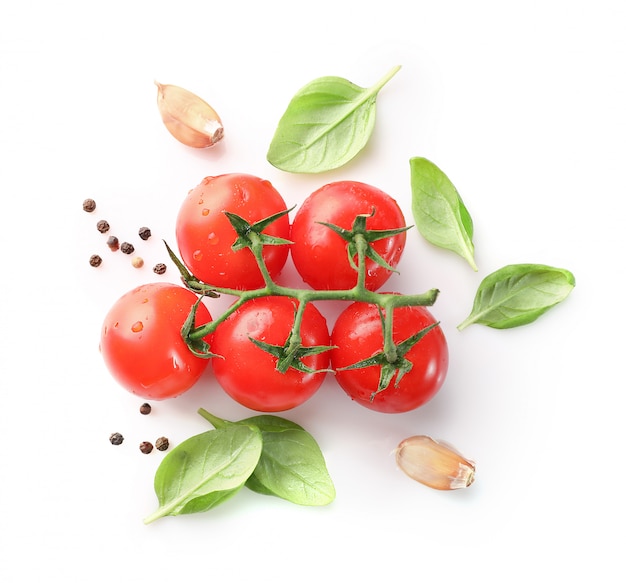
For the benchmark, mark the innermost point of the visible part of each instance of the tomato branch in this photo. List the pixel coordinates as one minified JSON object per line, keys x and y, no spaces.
{"x":359,"y":249}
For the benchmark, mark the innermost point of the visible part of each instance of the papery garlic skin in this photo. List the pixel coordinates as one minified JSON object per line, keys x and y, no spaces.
{"x":190,"y":119}
{"x":434,"y":463}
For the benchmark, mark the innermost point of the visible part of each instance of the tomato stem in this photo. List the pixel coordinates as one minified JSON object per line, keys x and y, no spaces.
{"x":389,"y":346}
{"x":257,"y":250}
{"x":361,"y":249}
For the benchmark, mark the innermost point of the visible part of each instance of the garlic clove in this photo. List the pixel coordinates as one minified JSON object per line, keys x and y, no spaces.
{"x":190,"y":119}
{"x":434,"y":463}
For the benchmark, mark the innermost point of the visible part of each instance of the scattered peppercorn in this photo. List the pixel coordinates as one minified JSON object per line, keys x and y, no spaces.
{"x":95,"y":261}
{"x":89,"y":205}
{"x":113,"y":243}
{"x":159,"y":268}
{"x":103,"y":226}
{"x":162,"y":443}
{"x":144,"y":233}
{"x":145,"y":409}
{"x":116,"y":438}
{"x":145,"y":447}
{"x":127,"y":248}
{"x":137,"y":262}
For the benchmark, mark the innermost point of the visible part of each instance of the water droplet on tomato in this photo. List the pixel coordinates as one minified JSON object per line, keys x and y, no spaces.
{"x":137,"y":326}
{"x":213,"y":239}
{"x":200,"y":201}
{"x":197,"y":255}
{"x":205,"y":212}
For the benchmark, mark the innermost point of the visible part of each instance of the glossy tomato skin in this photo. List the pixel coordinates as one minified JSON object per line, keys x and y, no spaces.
{"x":204,"y":234}
{"x":141,"y":341}
{"x":320,"y":255}
{"x":357,"y":334}
{"x":248,"y":374}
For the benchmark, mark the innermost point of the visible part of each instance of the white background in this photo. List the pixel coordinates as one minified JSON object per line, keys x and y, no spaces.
{"x":522,"y":104}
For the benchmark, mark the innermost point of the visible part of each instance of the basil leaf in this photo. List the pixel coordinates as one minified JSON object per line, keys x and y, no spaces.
{"x":326,"y":124}
{"x":438,"y":211}
{"x":206,"y":470}
{"x":292,"y":467}
{"x":291,"y":464}
{"x":518,"y":294}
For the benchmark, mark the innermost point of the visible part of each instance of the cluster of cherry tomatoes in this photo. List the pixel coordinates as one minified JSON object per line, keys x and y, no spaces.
{"x":141,"y":340}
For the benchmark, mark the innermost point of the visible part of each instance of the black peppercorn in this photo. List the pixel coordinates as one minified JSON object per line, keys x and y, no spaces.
{"x":145,"y":409}
{"x":116,"y":438}
{"x":89,"y":205}
{"x":113,"y":243}
{"x":127,"y":248}
{"x":145,"y":447}
{"x":95,"y":261}
{"x":159,"y":268}
{"x":162,"y":443}
{"x":103,"y":226}
{"x":144,"y":233}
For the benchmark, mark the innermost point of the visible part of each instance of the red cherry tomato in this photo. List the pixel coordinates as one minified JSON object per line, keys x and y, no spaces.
{"x":204,"y":234}
{"x":141,"y":341}
{"x":320,"y":255}
{"x":248,"y":373}
{"x":357,"y":334}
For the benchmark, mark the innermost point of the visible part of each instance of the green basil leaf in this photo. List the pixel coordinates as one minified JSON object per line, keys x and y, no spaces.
{"x":206,"y":470}
{"x":518,"y":294}
{"x":292,"y":467}
{"x":438,"y":211}
{"x":291,"y":464}
{"x":326,"y":124}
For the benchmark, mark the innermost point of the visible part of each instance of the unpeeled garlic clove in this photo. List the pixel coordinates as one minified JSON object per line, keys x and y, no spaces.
{"x":190,"y":119}
{"x":434,"y":463}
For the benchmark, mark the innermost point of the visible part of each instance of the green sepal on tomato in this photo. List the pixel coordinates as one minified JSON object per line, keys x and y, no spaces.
{"x":408,"y":382}
{"x":250,"y":373}
{"x":322,"y":251}
{"x":142,"y":343}
{"x":207,"y":240}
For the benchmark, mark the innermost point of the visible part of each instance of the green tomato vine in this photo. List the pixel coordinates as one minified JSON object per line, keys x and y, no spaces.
{"x":290,"y":355}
